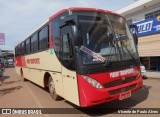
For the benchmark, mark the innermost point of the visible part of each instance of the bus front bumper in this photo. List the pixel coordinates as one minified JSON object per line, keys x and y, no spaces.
{"x":89,"y":95}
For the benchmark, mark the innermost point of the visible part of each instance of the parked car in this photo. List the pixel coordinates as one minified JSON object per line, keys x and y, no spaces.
{"x":143,"y":71}
{"x":10,"y":62}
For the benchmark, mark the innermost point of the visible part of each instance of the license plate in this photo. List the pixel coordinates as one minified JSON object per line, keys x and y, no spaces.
{"x":125,"y":95}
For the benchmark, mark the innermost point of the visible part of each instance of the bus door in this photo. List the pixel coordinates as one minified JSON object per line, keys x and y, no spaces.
{"x":70,"y":86}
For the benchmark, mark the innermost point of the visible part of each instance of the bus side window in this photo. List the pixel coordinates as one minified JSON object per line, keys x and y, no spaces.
{"x":22,"y":48}
{"x":34,"y":43}
{"x":19,"y":50}
{"x":15,"y":51}
{"x":67,"y":56}
{"x":44,"y":38}
{"x":28,"y":46}
{"x":56,"y":38}
{"x":65,"y":47}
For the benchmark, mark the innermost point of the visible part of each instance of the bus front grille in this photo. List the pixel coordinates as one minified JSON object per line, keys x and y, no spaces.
{"x":121,"y":90}
{"x":119,"y":82}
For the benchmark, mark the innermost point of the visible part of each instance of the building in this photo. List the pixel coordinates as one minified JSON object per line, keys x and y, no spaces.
{"x":146,"y":15}
{"x":6,"y":54}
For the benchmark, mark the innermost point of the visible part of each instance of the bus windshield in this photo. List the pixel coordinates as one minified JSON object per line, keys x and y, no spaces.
{"x":106,"y":38}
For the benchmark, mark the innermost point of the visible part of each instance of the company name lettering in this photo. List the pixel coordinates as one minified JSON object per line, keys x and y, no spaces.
{"x":121,"y":73}
{"x":33,"y":61}
{"x":145,"y":27}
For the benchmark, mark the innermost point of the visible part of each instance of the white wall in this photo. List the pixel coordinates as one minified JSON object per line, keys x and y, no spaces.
{"x":140,"y":15}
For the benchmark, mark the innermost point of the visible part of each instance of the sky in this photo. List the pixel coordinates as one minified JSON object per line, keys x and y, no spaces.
{"x":18,"y":18}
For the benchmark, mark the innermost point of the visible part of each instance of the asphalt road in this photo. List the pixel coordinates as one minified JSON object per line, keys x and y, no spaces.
{"x":15,"y":93}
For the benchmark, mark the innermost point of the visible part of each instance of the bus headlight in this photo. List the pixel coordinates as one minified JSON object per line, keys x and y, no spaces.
{"x":92,"y":82}
{"x":138,"y":75}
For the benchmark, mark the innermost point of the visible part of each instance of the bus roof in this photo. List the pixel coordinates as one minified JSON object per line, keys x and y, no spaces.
{"x":69,"y":9}
{"x":82,"y":9}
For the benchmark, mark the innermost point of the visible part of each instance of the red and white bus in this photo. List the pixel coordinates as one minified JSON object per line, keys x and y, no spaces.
{"x":85,"y":55}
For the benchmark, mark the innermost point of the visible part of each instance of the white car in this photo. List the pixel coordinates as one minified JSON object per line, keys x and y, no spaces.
{"x":10,"y":62}
{"x":143,"y":71}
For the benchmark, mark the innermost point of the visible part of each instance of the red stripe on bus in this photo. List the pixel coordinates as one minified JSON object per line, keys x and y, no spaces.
{"x":81,"y":8}
{"x":58,"y":13}
{"x":50,"y":35}
{"x":23,"y":61}
{"x":18,"y":61}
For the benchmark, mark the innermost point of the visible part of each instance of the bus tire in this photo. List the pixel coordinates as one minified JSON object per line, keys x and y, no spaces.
{"x":52,"y":90}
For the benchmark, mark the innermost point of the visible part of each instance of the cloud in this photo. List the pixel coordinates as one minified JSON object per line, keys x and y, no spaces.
{"x":20,"y":17}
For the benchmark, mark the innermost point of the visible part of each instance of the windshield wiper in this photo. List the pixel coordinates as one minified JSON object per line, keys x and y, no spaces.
{"x":133,"y":59}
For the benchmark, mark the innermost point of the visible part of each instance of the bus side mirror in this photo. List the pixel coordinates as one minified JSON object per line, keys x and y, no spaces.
{"x":133,"y":28}
{"x":73,"y":19}
{"x":135,"y":39}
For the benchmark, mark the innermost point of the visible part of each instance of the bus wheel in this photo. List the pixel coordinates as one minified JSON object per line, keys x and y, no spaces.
{"x":52,"y":90}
